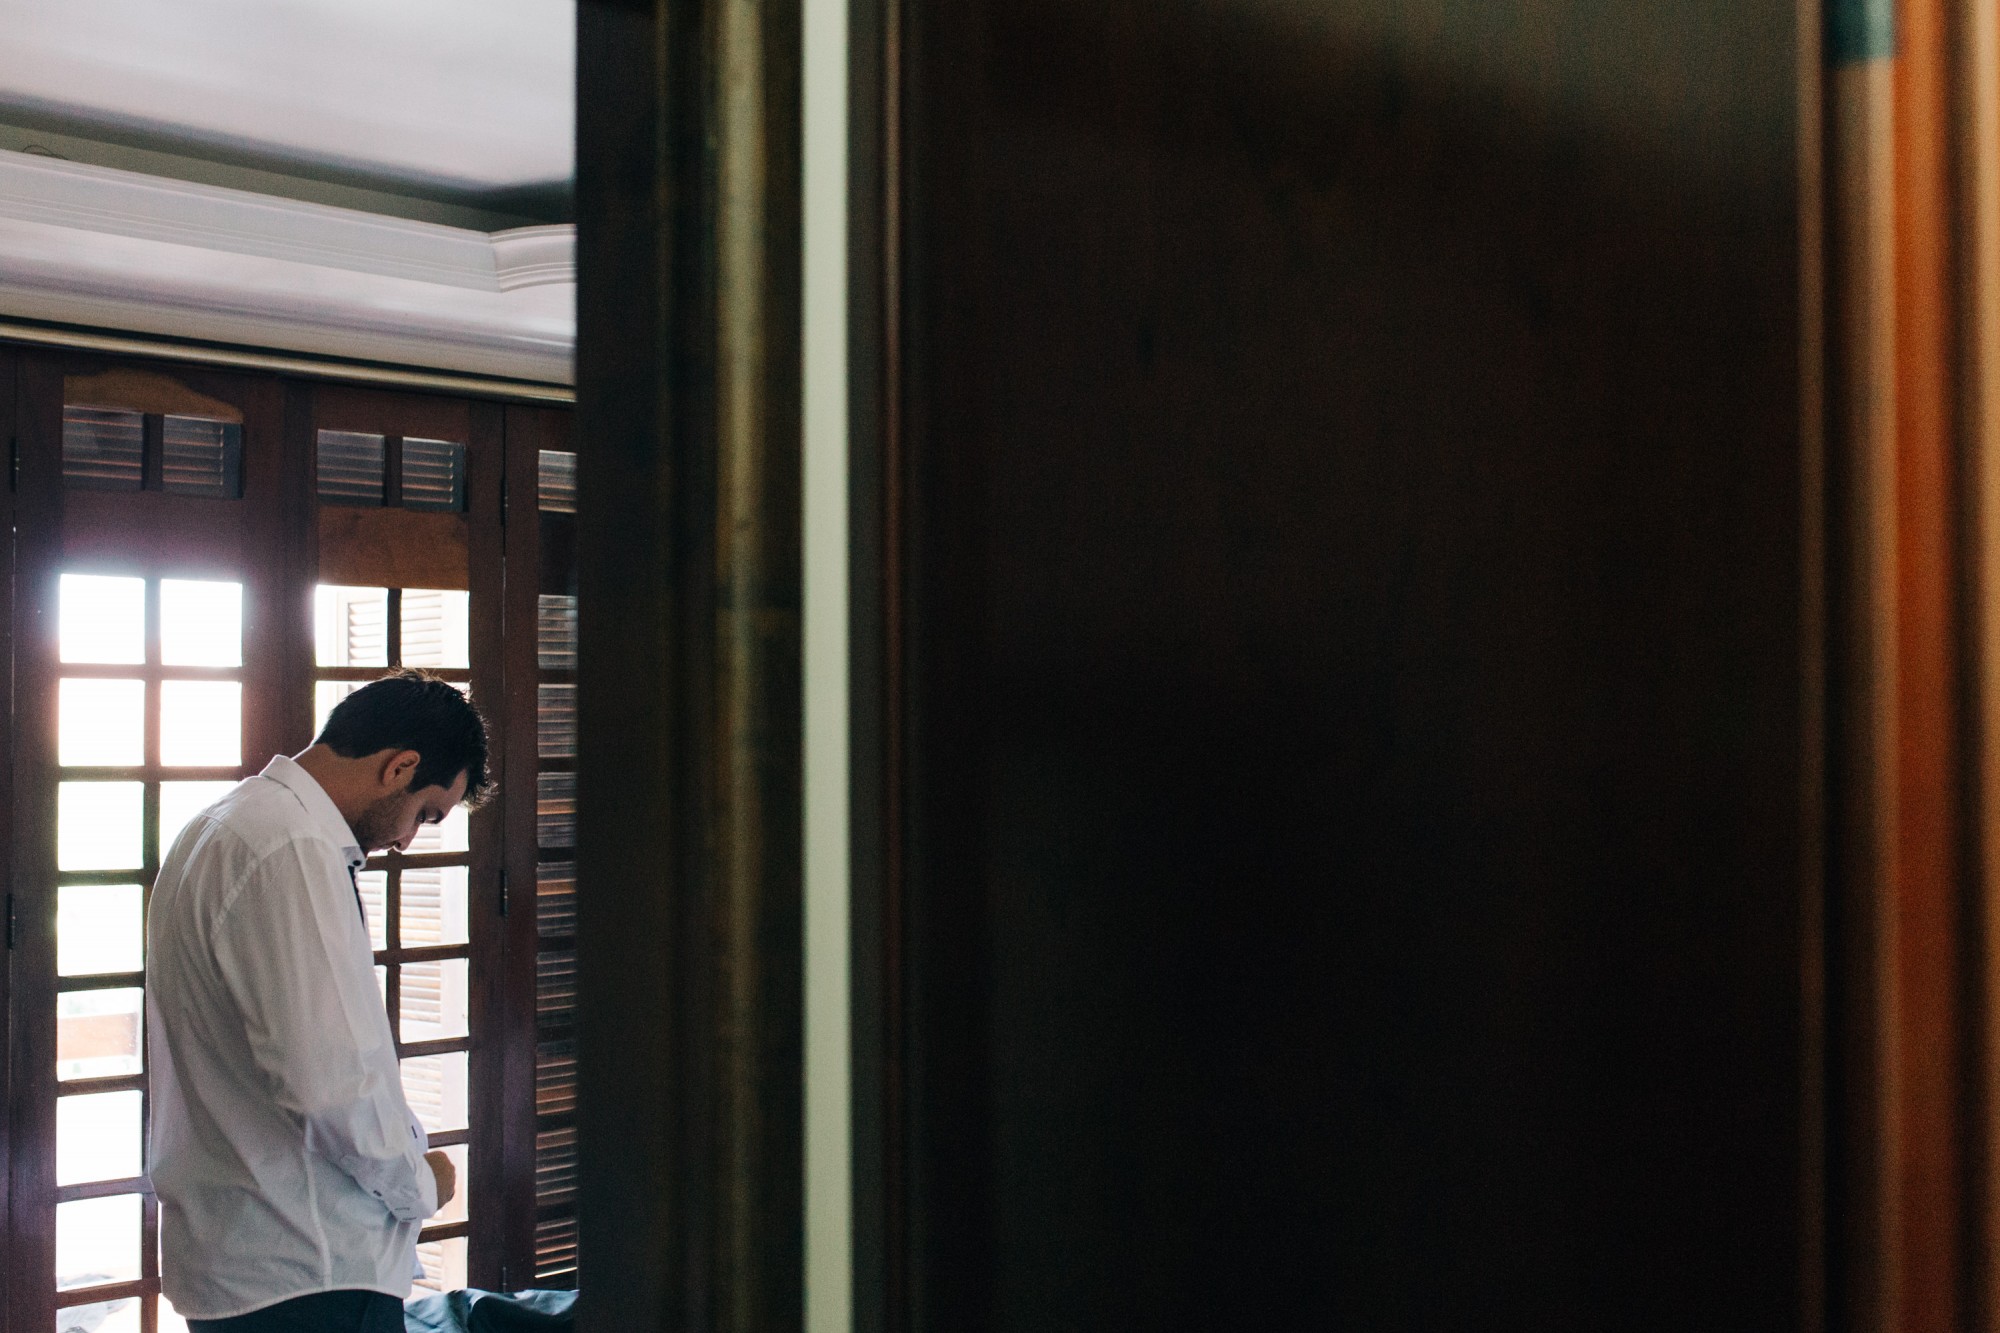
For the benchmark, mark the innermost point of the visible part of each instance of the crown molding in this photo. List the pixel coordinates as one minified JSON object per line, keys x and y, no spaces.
{"x":112,"y":249}
{"x":534,"y":257}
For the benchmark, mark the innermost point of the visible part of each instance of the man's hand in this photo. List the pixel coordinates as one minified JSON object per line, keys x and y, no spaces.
{"x":446,"y":1174}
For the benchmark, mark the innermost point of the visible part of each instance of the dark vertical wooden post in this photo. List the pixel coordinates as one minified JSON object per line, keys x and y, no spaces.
{"x":37,"y":542}
{"x":880,"y":1303}
{"x":1975,"y":55}
{"x":493,"y":1035}
{"x":1861,"y":565}
{"x":10,"y":424}
{"x":688,"y":588}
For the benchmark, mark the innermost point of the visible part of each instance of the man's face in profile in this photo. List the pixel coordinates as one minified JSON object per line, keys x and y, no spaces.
{"x":394,"y":819}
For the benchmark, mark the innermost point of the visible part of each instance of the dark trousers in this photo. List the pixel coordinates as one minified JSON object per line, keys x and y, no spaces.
{"x":322,"y":1312}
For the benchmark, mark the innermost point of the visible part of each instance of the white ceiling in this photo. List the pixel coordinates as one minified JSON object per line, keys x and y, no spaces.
{"x":456,"y":99}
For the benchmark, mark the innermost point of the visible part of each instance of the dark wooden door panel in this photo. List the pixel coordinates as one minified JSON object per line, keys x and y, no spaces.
{"x":1342,"y":707}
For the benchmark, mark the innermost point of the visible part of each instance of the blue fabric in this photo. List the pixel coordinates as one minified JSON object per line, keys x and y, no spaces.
{"x":473,"y":1311}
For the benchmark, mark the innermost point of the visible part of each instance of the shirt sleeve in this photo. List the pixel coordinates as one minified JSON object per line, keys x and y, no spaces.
{"x":293,"y":951}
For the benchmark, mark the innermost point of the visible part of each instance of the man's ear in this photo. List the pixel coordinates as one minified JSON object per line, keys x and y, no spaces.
{"x":399,"y":768}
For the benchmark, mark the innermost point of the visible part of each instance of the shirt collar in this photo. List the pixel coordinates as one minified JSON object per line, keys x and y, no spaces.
{"x":318,"y":806}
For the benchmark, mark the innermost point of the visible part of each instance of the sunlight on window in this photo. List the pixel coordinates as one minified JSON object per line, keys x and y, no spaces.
{"x":97,"y":1241}
{"x":434,"y":906}
{"x":201,"y":623}
{"x":201,"y":723}
{"x":99,"y":928}
{"x":102,"y":619}
{"x":435,"y":1087}
{"x":182,"y":801}
{"x":436,"y":628}
{"x":351,"y":626}
{"x":97,"y":825}
{"x":98,"y":1033}
{"x":434,"y":1000}
{"x":98,"y":1137}
{"x":101,"y":723}
{"x":443,"y":1263}
{"x":450,"y":836}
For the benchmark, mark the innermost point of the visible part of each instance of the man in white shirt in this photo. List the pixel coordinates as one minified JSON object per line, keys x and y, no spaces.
{"x":292,"y":1178}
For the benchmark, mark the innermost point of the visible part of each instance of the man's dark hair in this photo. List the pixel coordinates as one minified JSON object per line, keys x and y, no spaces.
{"x":414,"y":710}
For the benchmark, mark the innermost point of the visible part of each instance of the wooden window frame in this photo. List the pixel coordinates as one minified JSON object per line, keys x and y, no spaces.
{"x":277,"y":559}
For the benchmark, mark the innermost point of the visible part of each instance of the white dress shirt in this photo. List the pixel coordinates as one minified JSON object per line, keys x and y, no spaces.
{"x":285,"y":1157}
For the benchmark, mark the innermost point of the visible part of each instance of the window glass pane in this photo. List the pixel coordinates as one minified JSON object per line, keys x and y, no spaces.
{"x":556,"y":631}
{"x":433,"y":474}
{"x":435,"y":628}
{"x":435,"y":1087}
{"x":97,"y":1241}
{"x":182,"y":801}
{"x":382,"y":983}
{"x":107,"y":1317}
{"x":327,"y":694}
{"x":103,"y":448}
{"x":201,"y":724}
{"x":434,"y":906}
{"x":97,"y":825}
{"x":100,"y":928}
{"x":374,"y":889}
{"x":201,"y":623}
{"x":448,"y":837}
{"x":434,"y":1000}
{"x":558,"y":482}
{"x":199,"y":456}
{"x":352,"y":626}
{"x":98,"y":1032}
{"x":556,"y":721}
{"x":443,"y":1264}
{"x":170,"y":1318}
{"x":461,"y":1200}
{"x":98,"y":1137}
{"x":101,"y":723}
{"x":350,"y":467}
{"x":102,"y":619}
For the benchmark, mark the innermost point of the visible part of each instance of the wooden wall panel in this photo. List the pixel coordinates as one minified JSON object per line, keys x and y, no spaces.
{"x":688,"y":572}
{"x":1974,"y":31}
{"x":1349,"y":583}
{"x":1931,"y":920}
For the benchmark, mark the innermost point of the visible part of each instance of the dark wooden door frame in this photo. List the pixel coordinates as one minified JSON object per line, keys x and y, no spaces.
{"x":9,"y":372}
{"x":1851,"y":1127}
{"x":689,"y":800}
{"x":875,"y":493}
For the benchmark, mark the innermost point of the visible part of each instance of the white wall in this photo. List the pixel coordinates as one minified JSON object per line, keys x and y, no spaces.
{"x":829,"y":1241}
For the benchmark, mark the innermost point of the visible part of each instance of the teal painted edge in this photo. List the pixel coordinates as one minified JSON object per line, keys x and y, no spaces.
{"x":1858,"y":30}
